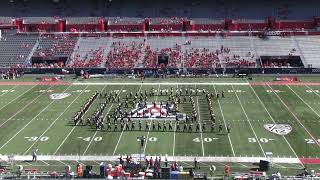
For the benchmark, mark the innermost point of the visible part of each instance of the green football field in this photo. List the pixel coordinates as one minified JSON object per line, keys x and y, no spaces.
{"x":30,"y":120}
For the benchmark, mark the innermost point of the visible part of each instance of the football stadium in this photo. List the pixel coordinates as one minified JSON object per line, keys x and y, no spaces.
{"x":140,"y":89}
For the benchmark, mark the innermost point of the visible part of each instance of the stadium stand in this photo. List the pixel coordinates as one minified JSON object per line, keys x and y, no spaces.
{"x":15,"y":49}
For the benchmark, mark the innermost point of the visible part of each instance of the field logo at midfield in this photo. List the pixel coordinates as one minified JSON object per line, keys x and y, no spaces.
{"x":280,"y":129}
{"x":58,"y":96}
{"x":151,"y":110}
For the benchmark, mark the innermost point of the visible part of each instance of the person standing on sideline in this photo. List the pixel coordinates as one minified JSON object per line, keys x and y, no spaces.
{"x":34,"y":155}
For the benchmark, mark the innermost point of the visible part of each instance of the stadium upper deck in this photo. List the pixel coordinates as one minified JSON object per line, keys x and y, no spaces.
{"x":38,"y":45}
{"x":219,"y":9}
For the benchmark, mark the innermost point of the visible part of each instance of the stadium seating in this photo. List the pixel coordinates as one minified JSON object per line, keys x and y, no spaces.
{"x":90,"y":52}
{"x":15,"y":49}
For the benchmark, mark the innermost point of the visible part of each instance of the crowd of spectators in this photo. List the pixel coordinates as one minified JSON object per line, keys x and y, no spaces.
{"x":174,"y":54}
{"x":10,"y":73}
{"x":201,"y":58}
{"x":276,"y":64}
{"x":56,"y":64}
{"x":94,"y":58}
{"x":124,"y":55}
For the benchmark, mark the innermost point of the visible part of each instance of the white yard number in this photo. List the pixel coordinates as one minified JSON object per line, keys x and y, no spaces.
{"x":206,"y":139}
{"x":151,"y":139}
{"x":275,"y":90}
{"x":237,"y":91}
{"x":196,"y":139}
{"x":311,"y":141}
{"x":118,"y":91}
{"x":80,"y":90}
{"x":45,"y":90}
{"x":254,"y":140}
{"x":97,"y":139}
{"x":312,"y":91}
{"x":6,"y":90}
{"x":35,"y":138}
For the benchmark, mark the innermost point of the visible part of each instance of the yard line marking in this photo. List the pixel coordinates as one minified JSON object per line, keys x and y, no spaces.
{"x":201,"y":134}
{"x":119,"y":139}
{"x":18,"y":97}
{"x":298,"y":120}
{"x":22,"y":107}
{"x":190,"y":165}
{"x":79,"y":162}
{"x":69,"y":135}
{"x":280,"y":166}
{"x":174,"y":138}
{"x":27,"y":163}
{"x":62,"y":163}
{"x":96,"y":129}
{"x":303,"y":101}
{"x":45,"y":163}
{"x":224,"y":121}
{"x":96,"y":162}
{"x":147,"y":139}
{"x":48,"y":128}
{"x":249,"y":121}
{"x":244,"y":165}
{"x":312,"y":90}
{"x":9,"y":90}
{"x":174,"y":131}
{"x":274,"y":122}
{"x":32,"y":119}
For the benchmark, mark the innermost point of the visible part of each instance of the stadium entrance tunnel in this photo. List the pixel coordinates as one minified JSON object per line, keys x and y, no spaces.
{"x":281,"y":61}
{"x":48,"y":60}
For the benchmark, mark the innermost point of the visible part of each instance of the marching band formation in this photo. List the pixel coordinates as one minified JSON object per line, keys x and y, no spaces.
{"x":122,"y":115}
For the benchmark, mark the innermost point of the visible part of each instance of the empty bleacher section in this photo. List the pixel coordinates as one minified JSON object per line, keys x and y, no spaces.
{"x":310,"y":48}
{"x":15,"y":49}
{"x":90,"y":52}
{"x":237,"y":52}
{"x":53,"y":50}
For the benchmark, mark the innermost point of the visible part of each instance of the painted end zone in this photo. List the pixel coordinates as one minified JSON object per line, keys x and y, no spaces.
{"x":310,"y":160}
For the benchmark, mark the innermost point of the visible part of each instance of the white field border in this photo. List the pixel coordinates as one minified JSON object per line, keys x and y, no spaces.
{"x":295,"y":154}
{"x":254,"y":132}
{"x":170,"y":158}
{"x":122,"y":130}
{"x":147,"y":138}
{"x":224,"y":122}
{"x":161,"y":83}
{"x":199,"y":121}
{"x":294,"y":115}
